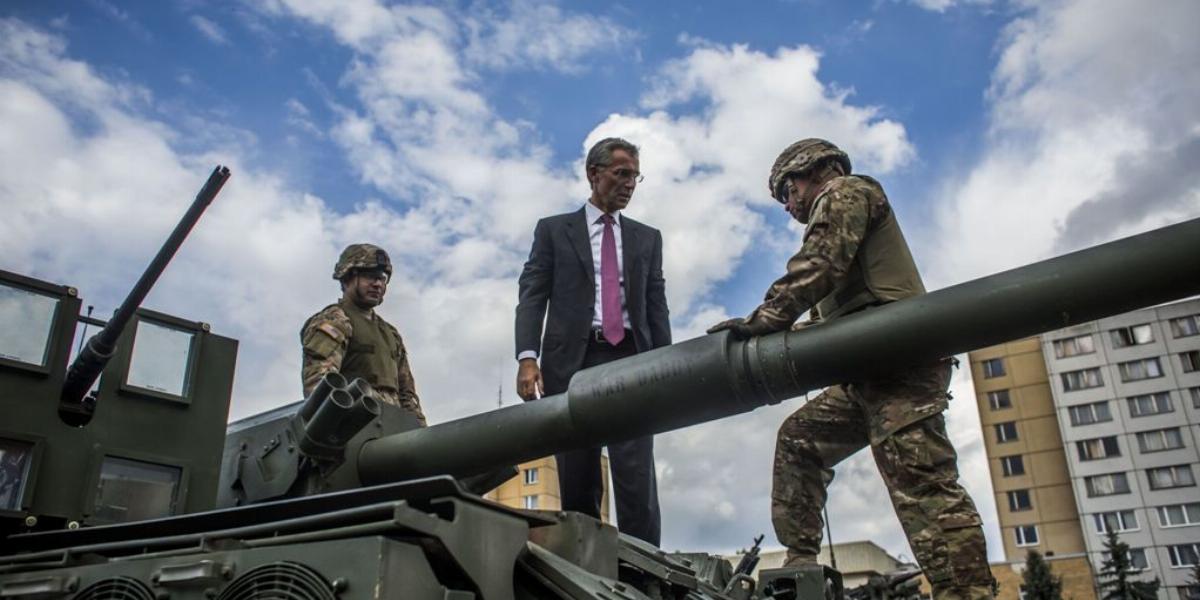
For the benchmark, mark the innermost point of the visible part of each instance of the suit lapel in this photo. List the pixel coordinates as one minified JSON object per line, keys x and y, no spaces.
{"x":577,"y":234}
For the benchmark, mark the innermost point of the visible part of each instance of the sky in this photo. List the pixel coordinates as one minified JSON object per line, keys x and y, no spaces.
{"x":1004,"y":132}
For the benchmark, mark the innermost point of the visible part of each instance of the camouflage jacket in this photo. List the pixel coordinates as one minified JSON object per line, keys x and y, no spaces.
{"x":844,"y":211}
{"x":328,"y":341}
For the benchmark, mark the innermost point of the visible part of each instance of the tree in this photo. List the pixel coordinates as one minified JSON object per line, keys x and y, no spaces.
{"x":1039,"y":582}
{"x":1116,"y":570}
{"x":1193,"y":588}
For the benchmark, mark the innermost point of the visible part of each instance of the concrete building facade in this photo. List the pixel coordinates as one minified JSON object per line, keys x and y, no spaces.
{"x":1124,"y":413}
{"x":1026,"y":457}
{"x":1128,"y":391}
{"x":536,"y":487}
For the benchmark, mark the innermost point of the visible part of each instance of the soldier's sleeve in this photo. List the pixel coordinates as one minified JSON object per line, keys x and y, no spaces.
{"x":835,"y":231}
{"x":324,"y":341}
{"x":408,"y":387}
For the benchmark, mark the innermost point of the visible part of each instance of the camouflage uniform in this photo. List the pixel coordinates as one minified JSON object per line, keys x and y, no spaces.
{"x":329,"y":335}
{"x":357,"y":342}
{"x":899,"y":415}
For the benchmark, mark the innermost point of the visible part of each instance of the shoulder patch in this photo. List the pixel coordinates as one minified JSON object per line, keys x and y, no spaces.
{"x":326,"y":332}
{"x":331,"y":331}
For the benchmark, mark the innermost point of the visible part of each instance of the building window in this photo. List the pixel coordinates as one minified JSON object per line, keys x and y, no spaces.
{"x":993,"y":368}
{"x":1179,"y":515}
{"x":530,"y":502}
{"x":1190,"y":361}
{"x":1185,"y":326}
{"x":1110,"y":484}
{"x":1074,"y":346}
{"x":1082,"y":379}
{"x":1121,"y":520}
{"x":1137,"y":370}
{"x":1018,"y":500}
{"x":1195,"y":393}
{"x":1184,"y":555}
{"x":1006,"y":432}
{"x":1086,"y":414}
{"x":1137,"y":559}
{"x":1132,"y":336}
{"x":999,"y":399}
{"x":531,"y":476}
{"x":1150,"y":404}
{"x":1012,"y":465}
{"x":1160,"y":439}
{"x":1097,"y":448}
{"x":1027,"y":535}
{"x":1170,"y":477}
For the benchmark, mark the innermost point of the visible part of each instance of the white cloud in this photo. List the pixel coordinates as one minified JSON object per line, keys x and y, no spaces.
{"x":209,"y":29}
{"x":122,"y":17}
{"x":538,"y":34}
{"x":942,"y":6}
{"x":1089,"y":108}
{"x":714,"y":164}
{"x":300,"y":117}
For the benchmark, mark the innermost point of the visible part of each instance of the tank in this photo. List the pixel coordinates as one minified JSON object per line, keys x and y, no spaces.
{"x":339,"y":496}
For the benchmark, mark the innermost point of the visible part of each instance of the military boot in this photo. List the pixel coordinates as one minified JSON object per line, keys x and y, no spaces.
{"x":797,"y":559}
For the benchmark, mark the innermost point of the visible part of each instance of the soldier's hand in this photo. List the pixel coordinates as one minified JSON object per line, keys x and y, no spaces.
{"x":730,"y":324}
{"x":740,"y":329}
{"x":529,"y":380}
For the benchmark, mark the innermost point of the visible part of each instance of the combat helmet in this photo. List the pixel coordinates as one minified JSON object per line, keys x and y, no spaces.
{"x":362,"y":256}
{"x":800,"y":157}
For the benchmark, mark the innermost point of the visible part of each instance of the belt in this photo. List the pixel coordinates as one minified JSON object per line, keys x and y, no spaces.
{"x":598,"y":335}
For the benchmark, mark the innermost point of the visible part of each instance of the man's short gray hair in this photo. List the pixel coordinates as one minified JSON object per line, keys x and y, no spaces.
{"x":601,"y":153}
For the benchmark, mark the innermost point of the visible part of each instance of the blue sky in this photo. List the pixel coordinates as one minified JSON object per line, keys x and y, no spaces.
{"x":1004,"y":132}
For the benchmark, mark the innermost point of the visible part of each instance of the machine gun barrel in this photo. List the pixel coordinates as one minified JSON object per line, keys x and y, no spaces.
{"x":73,"y":408}
{"x":715,"y":376}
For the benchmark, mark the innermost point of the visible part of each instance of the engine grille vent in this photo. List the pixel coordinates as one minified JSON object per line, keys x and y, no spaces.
{"x":116,"y":588}
{"x":278,"y":581}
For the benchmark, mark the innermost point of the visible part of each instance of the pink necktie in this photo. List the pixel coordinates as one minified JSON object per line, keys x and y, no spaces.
{"x":611,"y":322}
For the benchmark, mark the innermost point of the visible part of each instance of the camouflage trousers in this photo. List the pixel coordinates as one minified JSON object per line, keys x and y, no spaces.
{"x":410,"y":404}
{"x":916,"y":460}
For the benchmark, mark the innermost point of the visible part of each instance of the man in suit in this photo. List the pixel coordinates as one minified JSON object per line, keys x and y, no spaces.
{"x":599,"y":273}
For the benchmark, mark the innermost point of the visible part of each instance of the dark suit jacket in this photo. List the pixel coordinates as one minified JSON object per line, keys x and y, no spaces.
{"x":560,"y":273}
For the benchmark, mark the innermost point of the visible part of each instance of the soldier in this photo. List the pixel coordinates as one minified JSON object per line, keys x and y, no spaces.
{"x":854,"y":258}
{"x":349,"y":337}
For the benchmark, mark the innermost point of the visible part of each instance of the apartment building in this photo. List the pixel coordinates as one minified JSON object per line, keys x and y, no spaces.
{"x":536,"y":487}
{"x":1030,"y":479}
{"x":1125,"y":394}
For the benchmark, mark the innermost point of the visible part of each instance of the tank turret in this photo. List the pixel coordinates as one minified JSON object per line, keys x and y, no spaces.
{"x":142,"y":441}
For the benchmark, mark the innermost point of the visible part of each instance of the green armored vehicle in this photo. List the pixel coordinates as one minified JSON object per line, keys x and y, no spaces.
{"x":134,"y":490}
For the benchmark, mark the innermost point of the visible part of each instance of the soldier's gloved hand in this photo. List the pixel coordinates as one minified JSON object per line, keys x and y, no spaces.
{"x":742,"y":329}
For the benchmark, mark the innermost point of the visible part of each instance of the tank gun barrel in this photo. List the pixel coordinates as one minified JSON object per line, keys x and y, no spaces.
{"x":715,"y":376}
{"x":73,"y":408}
